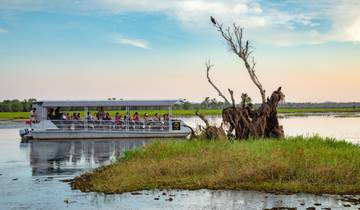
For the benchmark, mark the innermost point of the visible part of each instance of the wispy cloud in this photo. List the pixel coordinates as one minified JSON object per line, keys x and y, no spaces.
{"x":120,"y":39}
{"x":3,"y":31}
{"x":296,"y":22}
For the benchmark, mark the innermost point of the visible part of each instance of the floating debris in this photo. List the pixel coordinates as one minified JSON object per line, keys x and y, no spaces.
{"x":67,"y":201}
{"x":169,"y":199}
{"x":350,"y":199}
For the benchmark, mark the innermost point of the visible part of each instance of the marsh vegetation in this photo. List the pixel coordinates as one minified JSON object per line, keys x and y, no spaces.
{"x":294,"y":164}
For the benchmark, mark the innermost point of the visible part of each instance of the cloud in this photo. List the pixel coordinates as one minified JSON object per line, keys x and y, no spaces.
{"x":3,"y":31}
{"x":289,"y":22}
{"x":346,"y":20}
{"x":120,"y":39}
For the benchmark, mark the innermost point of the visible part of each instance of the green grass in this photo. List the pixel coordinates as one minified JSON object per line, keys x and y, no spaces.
{"x":176,"y":113}
{"x":296,"y":164}
{"x":191,"y":112}
{"x":317,"y":110}
{"x":14,"y":115}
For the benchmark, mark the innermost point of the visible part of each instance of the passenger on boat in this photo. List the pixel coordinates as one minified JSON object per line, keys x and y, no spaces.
{"x":165,"y":124}
{"x":95,"y":121}
{"x":117,"y":118}
{"x":156,"y":121}
{"x":166,"y":117}
{"x":90,"y":120}
{"x":107,"y":116}
{"x":156,"y":118}
{"x":147,"y":121}
{"x":146,"y":117}
{"x":33,"y":115}
{"x":107,"y":120}
{"x":101,"y":114}
{"x":74,"y":116}
{"x":63,"y":117}
{"x":127,"y":117}
{"x":136,"y":117}
{"x":136,"y":120}
{"x":89,"y":117}
{"x":50,"y":115}
{"x":58,"y":114}
{"x":65,"y":123}
{"x":95,"y":118}
{"x":117,"y":121}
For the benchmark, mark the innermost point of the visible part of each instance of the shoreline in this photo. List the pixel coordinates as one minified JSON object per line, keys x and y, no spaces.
{"x":287,"y":112}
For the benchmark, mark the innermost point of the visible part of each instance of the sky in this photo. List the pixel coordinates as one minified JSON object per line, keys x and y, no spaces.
{"x":157,"y":49}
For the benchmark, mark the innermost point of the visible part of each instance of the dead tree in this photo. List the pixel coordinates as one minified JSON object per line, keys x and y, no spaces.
{"x":244,"y":121}
{"x":211,"y":132}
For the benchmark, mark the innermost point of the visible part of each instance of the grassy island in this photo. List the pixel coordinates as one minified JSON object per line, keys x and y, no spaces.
{"x":295,"y":164}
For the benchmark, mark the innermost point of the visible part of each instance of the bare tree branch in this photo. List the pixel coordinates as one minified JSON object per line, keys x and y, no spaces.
{"x":202,"y":118}
{"x":208,"y":67}
{"x":232,"y":97}
{"x":241,"y":50}
{"x":192,"y":134}
{"x":243,"y":100}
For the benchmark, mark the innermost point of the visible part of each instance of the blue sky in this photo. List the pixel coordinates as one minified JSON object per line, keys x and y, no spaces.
{"x":97,"y":49}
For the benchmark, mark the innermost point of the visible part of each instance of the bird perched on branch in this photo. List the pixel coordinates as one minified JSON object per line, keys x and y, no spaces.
{"x":213,"y":20}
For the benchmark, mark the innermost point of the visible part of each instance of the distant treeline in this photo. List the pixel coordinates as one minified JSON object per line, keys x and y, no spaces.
{"x":208,"y":103}
{"x":16,"y":105}
{"x":321,"y":105}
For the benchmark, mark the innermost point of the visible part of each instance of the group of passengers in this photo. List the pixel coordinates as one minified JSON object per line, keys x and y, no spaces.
{"x":55,"y":114}
{"x":103,"y":119}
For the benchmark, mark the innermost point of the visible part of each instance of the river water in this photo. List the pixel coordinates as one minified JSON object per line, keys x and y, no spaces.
{"x":32,"y":174}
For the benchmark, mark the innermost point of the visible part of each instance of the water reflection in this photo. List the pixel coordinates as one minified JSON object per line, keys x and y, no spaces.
{"x":342,"y":128}
{"x":68,"y":157}
{"x":25,"y":181}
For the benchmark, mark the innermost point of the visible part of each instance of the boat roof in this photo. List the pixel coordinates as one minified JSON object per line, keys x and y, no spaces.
{"x":107,"y":103}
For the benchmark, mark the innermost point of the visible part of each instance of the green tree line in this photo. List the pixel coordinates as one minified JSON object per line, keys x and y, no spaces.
{"x":16,"y":105}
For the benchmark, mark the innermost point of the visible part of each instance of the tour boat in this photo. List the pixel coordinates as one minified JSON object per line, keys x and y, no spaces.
{"x":46,"y":127}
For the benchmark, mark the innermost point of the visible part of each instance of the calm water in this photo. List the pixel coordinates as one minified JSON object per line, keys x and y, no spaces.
{"x":347,"y":128}
{"x":32,"y":173}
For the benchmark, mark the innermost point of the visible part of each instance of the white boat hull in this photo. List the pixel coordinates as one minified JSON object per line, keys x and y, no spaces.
{"x":63,"y":135}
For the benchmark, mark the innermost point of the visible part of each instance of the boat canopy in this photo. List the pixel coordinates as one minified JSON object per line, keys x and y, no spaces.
{"x":107,"y":103}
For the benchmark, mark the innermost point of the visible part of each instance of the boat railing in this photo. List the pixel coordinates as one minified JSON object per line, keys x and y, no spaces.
{"x":111,"y":125}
